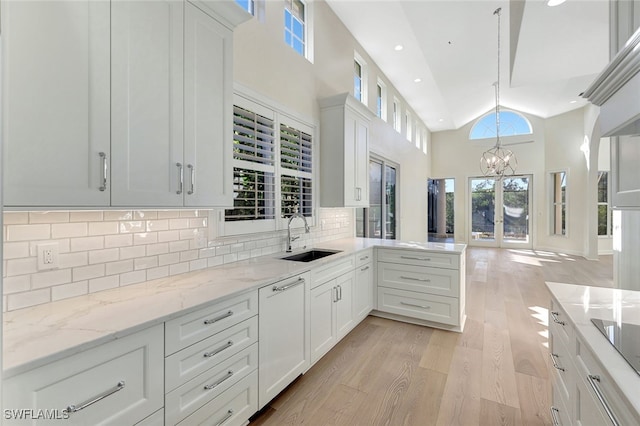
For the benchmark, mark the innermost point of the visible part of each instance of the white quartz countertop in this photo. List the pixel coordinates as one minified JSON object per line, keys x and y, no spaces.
{"x":41,"y":334}
{"x":581,"y":303}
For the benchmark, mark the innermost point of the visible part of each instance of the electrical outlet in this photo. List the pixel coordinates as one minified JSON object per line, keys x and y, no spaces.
{"x":48,"y":256}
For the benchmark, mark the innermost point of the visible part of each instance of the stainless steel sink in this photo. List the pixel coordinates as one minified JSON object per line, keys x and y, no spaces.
{"x":311,"y":255}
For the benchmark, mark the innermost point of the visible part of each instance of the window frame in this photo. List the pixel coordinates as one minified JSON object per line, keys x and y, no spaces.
{"x":364,"y":78}
{"x":397,"y":114}
{"x":307,"y":25}
{"x":558,"y":207}
{"x":605,"y":203}
{"x":408,"y":126}
{"x":381,"y":100}
{"x":250,"y":6}
{"x":508,"y":139}
{"x":257,"y":104}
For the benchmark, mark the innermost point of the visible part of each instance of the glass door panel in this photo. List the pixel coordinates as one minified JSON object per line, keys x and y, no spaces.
{"x":515,"y":208}
{"x":483,"y":208}
{"x":390,"y":205}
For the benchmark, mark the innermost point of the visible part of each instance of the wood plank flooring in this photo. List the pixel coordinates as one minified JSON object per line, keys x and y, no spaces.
{"x":494,"y":373}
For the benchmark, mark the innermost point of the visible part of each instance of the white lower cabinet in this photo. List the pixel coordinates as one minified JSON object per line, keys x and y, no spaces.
{"x":363,"y":286}
{"x":284,"y":334}
{"x":331,"y":314}
{"x":117,"y":383}
{"x":156,"y":419}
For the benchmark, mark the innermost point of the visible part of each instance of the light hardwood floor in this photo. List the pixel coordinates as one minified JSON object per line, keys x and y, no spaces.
{"x":494,"y":373}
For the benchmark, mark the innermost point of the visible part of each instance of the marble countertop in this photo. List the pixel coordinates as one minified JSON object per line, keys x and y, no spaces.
{"x":581,"y":303}
{"x":45,"y":333}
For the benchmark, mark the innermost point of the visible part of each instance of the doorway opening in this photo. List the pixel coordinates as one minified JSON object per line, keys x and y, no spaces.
{"x":440,"y":223}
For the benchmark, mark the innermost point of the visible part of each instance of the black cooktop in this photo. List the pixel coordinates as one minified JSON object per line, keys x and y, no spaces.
{"x":624,"y":337}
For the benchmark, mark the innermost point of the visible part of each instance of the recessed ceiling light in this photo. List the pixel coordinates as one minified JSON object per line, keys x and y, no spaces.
{"x":573,"y":101}
{"x":417,"y":80}
{"x":398,"y":47}
{"x":440,"y":120}
{"x":552,"y":3}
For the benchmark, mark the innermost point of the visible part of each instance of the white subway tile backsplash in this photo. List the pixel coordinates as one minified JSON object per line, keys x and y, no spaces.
{"x":104,"y":283}
{"x":29,"y":298}
{"x":28,"y":232}
{"x":88,"y":272}
{"x":103,"y":228}
{"x":48,"y":217}
{"x":66,"y":291}
{"x":69,"y":230}
{"x":119,"y":267}
{"x":50,"y":278}
{"x":120,"y":240}
{"x":100,"y":250}
{"x":104,"y":256}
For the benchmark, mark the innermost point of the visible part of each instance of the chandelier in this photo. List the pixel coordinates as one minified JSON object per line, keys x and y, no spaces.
{"x":498,"y":162}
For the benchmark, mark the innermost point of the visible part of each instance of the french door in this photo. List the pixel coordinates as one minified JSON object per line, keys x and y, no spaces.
{"x":500,"y":212}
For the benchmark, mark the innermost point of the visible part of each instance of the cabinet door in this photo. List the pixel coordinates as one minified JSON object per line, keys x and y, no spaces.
{"x":208,"y":91}
{"x":363,"y":292}
{"x":146,"y":103}
{"x":345,"y":318}
{"x":322,"y":319}
{"x":283,"y":330}
{"x":55,"y":102}
{"x":356,"y":160}
{"x":625,"y":178}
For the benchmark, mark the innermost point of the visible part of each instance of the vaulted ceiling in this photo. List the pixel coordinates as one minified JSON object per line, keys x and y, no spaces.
{"x":549,"y":55}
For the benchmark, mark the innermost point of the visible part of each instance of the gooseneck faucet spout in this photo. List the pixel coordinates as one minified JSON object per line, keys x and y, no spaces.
{"x":290,"y":239}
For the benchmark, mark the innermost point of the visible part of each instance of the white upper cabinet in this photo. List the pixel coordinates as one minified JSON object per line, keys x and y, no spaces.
{"x":625,"y":177}
{"x":208,"y":99}
{"x":122,"y":103}
{"x":55,"y":102}
{"x":344,"y":152}
{"x":146,"y":103}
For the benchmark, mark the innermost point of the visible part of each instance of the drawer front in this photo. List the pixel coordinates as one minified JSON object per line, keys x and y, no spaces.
{"x":428,"y":307}
{"x":559,"y":325}
{"x":419,"y":258}
{"x":188,"y":398}
{"x":332,"y":270}
{"x":186,"y":364}
{"x":195,"y":326}
{"x":589,"y":411}
{"x":560,"y":414}
{"x":562,"y":367}
{"x":364,"y":257}
{"x":444,"y":282}
{"x":127,"y":372}
{"x":233,"y":408}
{"x":586,"y":366}
{"x":156,"y":419}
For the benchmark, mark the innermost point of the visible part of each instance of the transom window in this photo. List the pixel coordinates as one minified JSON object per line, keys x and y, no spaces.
{"x":511,"y":124}
{"x":294,"y":25}
{"x":246,"y":5}
{"x":357,"y":80}
{"x":559,"y":203}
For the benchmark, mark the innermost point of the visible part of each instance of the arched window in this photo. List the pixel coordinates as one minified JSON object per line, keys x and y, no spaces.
{"x":511,"y":124}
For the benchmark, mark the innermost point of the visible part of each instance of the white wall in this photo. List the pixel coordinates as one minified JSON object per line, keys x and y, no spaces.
{"x":266,"y":65}
{"x":557,"y":145}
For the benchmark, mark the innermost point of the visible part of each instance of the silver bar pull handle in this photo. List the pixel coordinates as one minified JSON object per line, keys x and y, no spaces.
{"x":216,"y":319}
{"x":339,"y":292}
{"x":73,"y":408}
{"x":193,"y":179}
{"x":415,"y":279}
{"x":334,"y":294}
{"x":364,"y":257}
{"x":554,"y":416}
{"x":554,"y":316}
{"x":220,"y":349}
{"x":592,"y":381}
{"x":225,"y":418}
{"x":416,"y":258}
{"x":415,"y":306}
{"x":105,"y":171}
{"x":364,"y":269}
{"x":180,"y":178}
{"x":288,"y":286}
{"x":555,"y":364}
{"x":219,"y":381}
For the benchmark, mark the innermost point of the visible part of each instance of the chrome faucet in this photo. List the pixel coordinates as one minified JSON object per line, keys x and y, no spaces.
{"x":290,"y":239}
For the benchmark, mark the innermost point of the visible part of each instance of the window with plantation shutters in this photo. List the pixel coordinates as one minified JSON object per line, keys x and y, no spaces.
{"x":272,"y":168}
{"x":296,"y":171}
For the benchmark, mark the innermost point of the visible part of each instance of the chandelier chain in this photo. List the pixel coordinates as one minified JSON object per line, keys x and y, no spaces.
{"x":497,"y":85}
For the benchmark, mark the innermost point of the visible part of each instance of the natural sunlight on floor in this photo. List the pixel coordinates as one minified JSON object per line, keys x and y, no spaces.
{"x":542,"y":315}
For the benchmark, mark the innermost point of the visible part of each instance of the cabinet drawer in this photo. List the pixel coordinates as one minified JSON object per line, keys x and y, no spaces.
{"x":332,"y":270}
{"x":560,"y":326}
{"x":419,"y":258}
{"x":195,"y":326}
{"x":188,"y":398}
{"x":560,"y":414}
{"x":428,"y":307}
{"x":563,"y":369}
{"x":234,"y":407}
{"x":586,"y":365}
{"x":364,"y":257}
{"x":199,"y":357}
{"x":444,"y":282}
{"x":156,"y":419}
{"x":127,"y":372}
